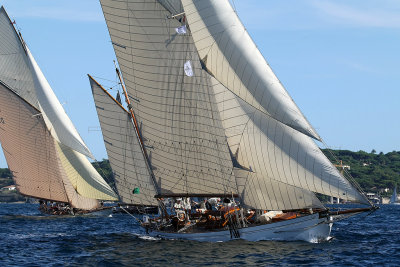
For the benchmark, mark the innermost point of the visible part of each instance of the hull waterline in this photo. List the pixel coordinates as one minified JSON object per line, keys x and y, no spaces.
{"x":309,"y":228}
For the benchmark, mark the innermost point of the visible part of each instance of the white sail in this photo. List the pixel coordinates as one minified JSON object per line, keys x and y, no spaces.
{"x":123,"y":148}
{"x":57,"y":121}
{"x":261,"y":137}
{"x":260,"y":192}
{"x":229,"y":54}
{"x":177,"y":114}
{"x":275,"y":152}
{"x":14,"y":68}
{"x":393,"y":198}
{"x":173,"y":6}
{"x":83,"y":176}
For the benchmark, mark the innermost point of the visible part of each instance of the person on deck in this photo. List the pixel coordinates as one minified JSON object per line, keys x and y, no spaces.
{"x":178,"y":205}
{"x":187,"y":205}
{"x":208,"y":205}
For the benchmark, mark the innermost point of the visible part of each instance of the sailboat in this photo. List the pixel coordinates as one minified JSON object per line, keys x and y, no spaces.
{"x":394,"y":199}
{"x":43,"y":150}
{"x":207,"y":119}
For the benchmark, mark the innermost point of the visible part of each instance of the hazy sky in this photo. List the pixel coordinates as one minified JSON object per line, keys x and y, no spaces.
{"x":338,"y":59}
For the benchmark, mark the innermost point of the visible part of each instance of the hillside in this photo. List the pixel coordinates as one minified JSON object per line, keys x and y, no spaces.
{"x":372,"y":171}
{"x":103,"y":167}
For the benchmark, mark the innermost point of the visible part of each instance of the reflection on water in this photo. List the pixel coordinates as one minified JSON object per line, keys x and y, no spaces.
{"x":118,"y":241}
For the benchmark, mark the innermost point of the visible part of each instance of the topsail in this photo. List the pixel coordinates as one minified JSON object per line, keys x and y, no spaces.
{"x":230,"y":55}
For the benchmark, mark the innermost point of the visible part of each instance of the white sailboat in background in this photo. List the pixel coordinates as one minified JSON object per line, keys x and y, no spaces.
{"x":44,"y":152}
{"x":208,"y":118}
{"x":394,"y":198}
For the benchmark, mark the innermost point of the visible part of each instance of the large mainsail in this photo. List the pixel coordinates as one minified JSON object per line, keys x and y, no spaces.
{"x":28,"y":149}
{"x":176,"y":110}
{"x":204,"y":95}
{"x":230,"y":55}
{"x":31,"y":153}
{"x":123,"y":148}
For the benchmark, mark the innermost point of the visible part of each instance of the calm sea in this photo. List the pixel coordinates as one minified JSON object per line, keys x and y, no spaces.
{"x":29,"y":239}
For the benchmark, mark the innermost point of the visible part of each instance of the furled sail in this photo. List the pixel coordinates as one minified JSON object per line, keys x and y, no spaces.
{"x":14,"y":68}
{"x":177,"y":113}
{"x":55,"y":117}
{"x":229,"y":54}
{"x":123,"y":148}
{"x":276,"y":153}
{"x":31,"y":153}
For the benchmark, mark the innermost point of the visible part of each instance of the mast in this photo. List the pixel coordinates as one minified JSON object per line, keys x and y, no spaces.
{"x":128,"y":102}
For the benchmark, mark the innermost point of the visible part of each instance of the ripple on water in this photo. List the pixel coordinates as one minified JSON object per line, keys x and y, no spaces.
{"x":27,"y":238}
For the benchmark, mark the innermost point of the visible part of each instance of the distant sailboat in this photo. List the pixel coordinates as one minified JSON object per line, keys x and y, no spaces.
{"x":394,"y":199}
{"x":209,"y":119}
{"x":43,"y":150}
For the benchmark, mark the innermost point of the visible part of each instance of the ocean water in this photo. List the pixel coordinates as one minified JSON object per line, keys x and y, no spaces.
{"x":29,"y":239}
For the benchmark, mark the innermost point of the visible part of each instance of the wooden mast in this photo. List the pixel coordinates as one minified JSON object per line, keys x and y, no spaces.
{"x":128,"y":102}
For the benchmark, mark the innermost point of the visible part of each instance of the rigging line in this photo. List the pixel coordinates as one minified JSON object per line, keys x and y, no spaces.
{"x":350,"y":178}
{"x":8,"y":54}
{"x":137,"y":134}
{"x":234,"y":6}
{"x":138,"y":220}
{"x":97,"y":77}
{"x":352,"y":214}
{"x":143,"y":29}
{"x":210,"y":93}
{"x":255,"y":159}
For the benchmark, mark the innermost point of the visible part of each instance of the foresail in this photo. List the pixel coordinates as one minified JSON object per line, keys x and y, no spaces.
{"x":123,"y":149}
{"x":14,"y":69}
{"x":273,"y":152}
{"x":172,"y":99}
{"x":29,"y":149}
{"x":57,"y":121}
{"x":83,"y":176}
{"x":261,"y":192}
{"x":229,"y":54}
{"x":74,"y":198}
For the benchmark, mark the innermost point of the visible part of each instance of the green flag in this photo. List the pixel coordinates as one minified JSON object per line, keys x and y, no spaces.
{"x":136,"y":191}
